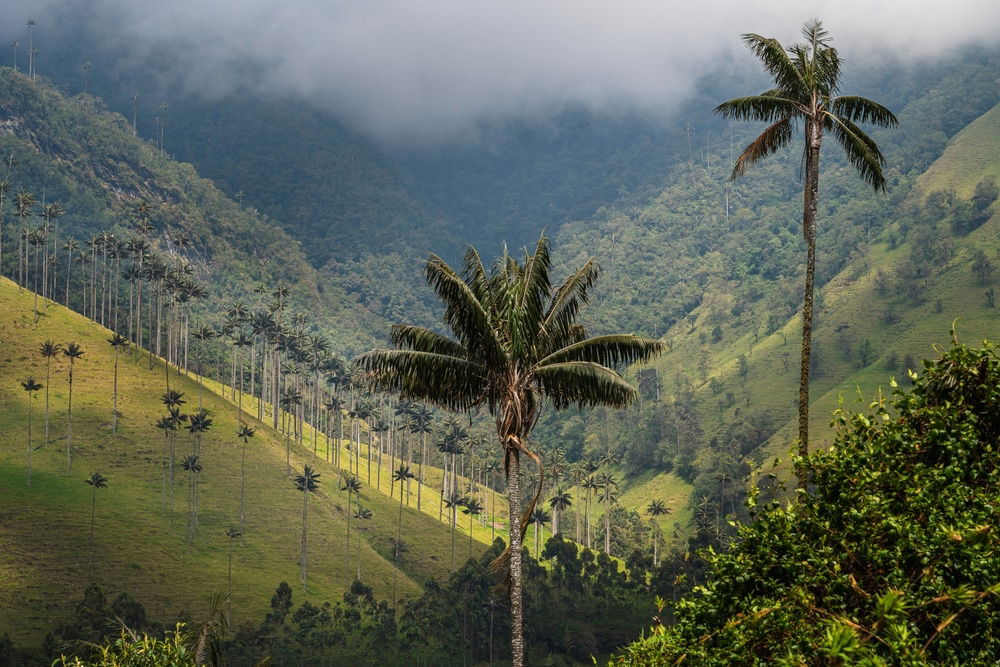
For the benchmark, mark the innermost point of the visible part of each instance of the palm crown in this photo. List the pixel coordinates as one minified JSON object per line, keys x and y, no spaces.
{"x":516,"y":343}
{"x":807,"y":78}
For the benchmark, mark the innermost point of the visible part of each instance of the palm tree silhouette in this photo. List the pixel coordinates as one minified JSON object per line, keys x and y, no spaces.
{"x":73,"y":352}
{"x":166,"y":424}
{"x":807,"y":79}
{"x":559,"y":502}
{"x":608,"y":496}
{"x":307,"y":482}
{"x":656,"y":509}
{"x":473,"y":508}
{"x":96,"y":481}
{"x":352,"y":485}
{"x":48,"y":349}
{"x":244,"y":434}
{"x":516,"y":343}
{"x":361,"y":514}
{"x":233,"y":534}
{"x":193,"y":467}
{"x":539,"y":517}
{"x":31,"y":387}
{"x":117,"y":341}
{"x":400,"y":475}
{"x":453,"y":502}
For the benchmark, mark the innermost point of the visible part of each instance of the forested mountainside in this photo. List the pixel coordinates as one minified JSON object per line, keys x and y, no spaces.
{"x":74,"y":152}
{"x":721,"y":403}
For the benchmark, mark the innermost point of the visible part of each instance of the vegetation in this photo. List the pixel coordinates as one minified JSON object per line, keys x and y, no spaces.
{"x":889,"y":560}
{"x":807,"y":79}
{"x":517,"y":344}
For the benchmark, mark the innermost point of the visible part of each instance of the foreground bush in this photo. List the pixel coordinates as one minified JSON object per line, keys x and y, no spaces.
{"x":893,"y":558}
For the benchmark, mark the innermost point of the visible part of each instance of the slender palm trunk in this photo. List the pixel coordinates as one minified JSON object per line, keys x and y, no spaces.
{"x":347,"y":555}
{"x":69,"y":422}
{"x":516,"y":601}
{"x":114,"y":412}
{"x":607,"y":530}
{"x":29,"y":439}
{"x":48,"y":366}
{"x":229,"y":587}
{"x":243,"y":486}
{"x":305,"y":523}
{"x":810,"y":198}
{"x":399,"y":537}
{"x":93,"y":510}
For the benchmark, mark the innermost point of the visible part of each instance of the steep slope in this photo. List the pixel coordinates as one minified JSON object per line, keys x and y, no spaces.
{"x":139,"y":547}
{"x":71,"y":151}
{"x":728,"y":381}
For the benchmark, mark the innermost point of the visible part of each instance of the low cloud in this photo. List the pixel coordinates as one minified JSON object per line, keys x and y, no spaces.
{"x":400,"y":68}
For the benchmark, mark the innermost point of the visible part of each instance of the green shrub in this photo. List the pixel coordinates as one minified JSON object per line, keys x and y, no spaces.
{"x":891,"y":559}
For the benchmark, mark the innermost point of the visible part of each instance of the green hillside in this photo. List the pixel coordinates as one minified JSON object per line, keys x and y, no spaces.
{"x":73,"y":151}
{"x":728,"y":383}
{"x":45,"y":560}
{"x":969,"y":158}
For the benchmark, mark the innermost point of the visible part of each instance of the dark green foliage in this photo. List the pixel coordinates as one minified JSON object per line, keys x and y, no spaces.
{"x":892,"y":558}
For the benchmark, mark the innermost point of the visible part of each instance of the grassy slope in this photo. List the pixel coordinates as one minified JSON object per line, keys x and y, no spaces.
{"x":970,"y":157}
{"x":44,"y":559}
{"x":853,"y":311}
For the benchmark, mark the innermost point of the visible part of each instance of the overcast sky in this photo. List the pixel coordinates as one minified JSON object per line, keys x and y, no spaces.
{"x":404,"y":67}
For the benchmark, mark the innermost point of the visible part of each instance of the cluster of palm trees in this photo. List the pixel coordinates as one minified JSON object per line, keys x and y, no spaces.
{"x":147,"y":300}
{"x":32,"y":51}
{"x":50,"y":350}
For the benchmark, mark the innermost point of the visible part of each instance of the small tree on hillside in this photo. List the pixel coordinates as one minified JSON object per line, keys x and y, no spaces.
{"x":96,"y":481}
{"x":118,"y":342}
{"x":307,"y":482}
{"x":31,"y":387}
{"x":73,"y":352}
{"x":48,"y":349}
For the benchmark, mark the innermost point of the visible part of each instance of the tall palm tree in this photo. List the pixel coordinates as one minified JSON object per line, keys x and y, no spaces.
{"x":589,"y":484}
{"x":453,"y":502}
{"x":421,"y":422}
{"x":31,"y":387}
{"x":73,"y":352}
{"x":807,"y":79}
{"x":307,"y":482}
{"x":516,"y":343}
{"x":539,"y":517}
{"x":608,"y":496}
{"x":473,"y":508}
{"x":656,"y":509}
{"x":193,"y":467}
{"x":401,"y":475}
{"x":96,"y":481}
{"x":117,"y":341}
{"x":561,"y":501}
{"x":353,"y":486}
{"x":244,"y":434}
{"x":365,"y":514}
{"x":232,"y":533}
{"x":167,"y":425}
{"x":48,"y":349}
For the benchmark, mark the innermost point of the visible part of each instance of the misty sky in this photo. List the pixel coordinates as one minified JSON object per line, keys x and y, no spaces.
{"x":400,"y":68}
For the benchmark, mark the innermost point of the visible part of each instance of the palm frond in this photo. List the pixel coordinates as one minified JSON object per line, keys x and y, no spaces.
{"x":610,"y":350}
{"x":570,"y":297}
{"x":583,"y":383}
{"x":425,"y":340}
{"x":769,"y":141}
{"x":783,"y":69}
{"x":862,"y":151}
{"x":862,"y":110}
{"x":533,"y":292}
{"x":446,"y":381}
{"x":464,"y":313}
{"x":767,"y":108}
